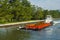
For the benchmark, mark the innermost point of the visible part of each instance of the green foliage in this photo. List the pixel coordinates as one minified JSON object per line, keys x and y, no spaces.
{"x":22,"y":10}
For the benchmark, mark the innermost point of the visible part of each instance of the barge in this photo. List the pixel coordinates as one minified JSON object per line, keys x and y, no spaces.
{"x":41,"y":25}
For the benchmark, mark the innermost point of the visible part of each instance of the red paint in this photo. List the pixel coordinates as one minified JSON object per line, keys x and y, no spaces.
{"x":40,"y":26}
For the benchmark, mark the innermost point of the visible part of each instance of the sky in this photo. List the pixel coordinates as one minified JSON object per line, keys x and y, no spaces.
{"x":47,"y":4}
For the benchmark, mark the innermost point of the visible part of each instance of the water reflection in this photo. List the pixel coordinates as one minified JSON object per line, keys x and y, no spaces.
{"x":50,"y":33}
{"x":13,"y":34}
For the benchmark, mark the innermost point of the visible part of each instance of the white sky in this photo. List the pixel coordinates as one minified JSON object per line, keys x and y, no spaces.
{"x":47,"y":4}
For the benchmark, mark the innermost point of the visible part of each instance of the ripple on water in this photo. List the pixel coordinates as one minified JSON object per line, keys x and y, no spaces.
{"x":13,"y":34}
{"x":49,"y":33}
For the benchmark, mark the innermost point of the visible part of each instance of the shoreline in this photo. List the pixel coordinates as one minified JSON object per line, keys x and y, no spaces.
{"x":18,"y":23}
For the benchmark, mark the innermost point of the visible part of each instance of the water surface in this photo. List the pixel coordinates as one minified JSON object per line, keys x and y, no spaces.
{"x":49,"y":33}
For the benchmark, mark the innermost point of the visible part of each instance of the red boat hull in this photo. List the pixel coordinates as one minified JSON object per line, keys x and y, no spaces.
{"x":40,"y":26}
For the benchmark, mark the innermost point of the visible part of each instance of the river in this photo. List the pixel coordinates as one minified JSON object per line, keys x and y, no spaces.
{"x":49,"y":33}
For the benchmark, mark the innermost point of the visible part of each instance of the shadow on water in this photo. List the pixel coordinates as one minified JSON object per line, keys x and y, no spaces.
{"x":13,"y":34}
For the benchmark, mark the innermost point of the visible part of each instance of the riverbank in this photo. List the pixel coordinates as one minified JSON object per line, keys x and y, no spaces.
{"x":17,"y":23}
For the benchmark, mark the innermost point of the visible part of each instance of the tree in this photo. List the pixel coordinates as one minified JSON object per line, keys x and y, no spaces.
{"x":45,"y":12}
{"x":22,"y":10}
{"x":39,"y":13}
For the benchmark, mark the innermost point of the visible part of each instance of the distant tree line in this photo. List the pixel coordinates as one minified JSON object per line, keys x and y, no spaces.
{"x":22,"y":10}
